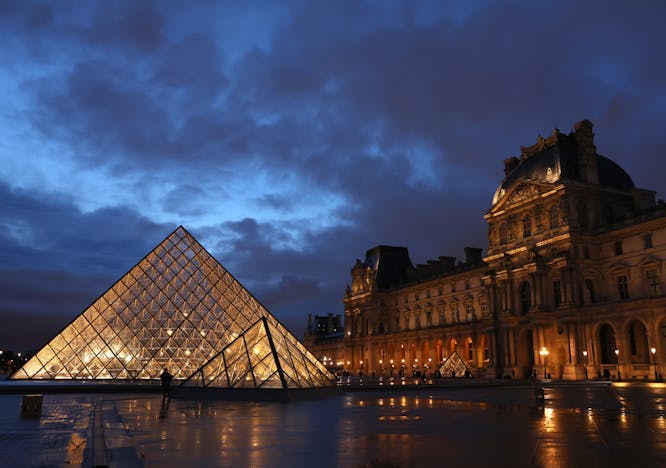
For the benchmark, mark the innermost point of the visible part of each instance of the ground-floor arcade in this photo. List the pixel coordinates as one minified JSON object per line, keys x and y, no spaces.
{"x":580,"y":344}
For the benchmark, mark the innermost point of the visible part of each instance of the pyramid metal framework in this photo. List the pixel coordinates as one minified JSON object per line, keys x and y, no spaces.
{"x":455,"y":364}
{"x":178,"y":308}
{"x":265,"y":356}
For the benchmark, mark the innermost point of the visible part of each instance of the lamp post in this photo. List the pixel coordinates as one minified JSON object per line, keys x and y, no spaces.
{"x":653,"y":350}
{"x":617,"y":358}
{"x":544,"y":353}
{"x":381,"y":367}
{"x":585,"y":362}
{"x":391,"y":367}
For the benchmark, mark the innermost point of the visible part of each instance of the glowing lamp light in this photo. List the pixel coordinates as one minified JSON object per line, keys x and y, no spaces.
{"x":652,"y":350}
{"x":187,"y":352}
{"x":169,"y":332}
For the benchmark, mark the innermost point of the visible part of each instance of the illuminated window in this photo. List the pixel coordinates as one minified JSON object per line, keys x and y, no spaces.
{"x":470,"y":310}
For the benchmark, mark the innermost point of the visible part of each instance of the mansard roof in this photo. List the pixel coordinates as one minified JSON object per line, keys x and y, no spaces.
{"x":556,"y":159}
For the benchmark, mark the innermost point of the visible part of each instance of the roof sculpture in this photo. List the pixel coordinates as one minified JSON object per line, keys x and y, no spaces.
{"x":178,"y":308}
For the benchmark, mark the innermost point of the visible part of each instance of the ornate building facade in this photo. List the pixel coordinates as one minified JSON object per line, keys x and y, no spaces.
{"x":571,"y":286}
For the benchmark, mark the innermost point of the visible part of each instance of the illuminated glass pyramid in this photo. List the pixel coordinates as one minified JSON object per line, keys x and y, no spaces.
{"x":454,"y":364}
{"x":176,"y":309}
{"x":265,"y":355}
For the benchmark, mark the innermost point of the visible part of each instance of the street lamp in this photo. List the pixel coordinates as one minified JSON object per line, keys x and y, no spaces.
{"x":617,"y":358}
{"x":544,"y":353}
{"x":381,"y":367}
{"x":391,"y":367}
{"x":585,"y":362}
{"x":653,"y":350}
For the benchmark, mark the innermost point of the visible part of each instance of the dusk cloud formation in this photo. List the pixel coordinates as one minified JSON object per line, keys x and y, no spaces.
{"x":290,"y":137}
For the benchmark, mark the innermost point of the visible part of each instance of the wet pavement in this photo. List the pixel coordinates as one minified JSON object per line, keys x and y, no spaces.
{"x":619,"y":425}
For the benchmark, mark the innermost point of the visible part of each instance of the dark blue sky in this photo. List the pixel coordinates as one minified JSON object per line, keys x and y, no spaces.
{"x":289,"y":137}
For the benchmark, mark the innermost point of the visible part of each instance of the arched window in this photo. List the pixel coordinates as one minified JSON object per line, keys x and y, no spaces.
{"x":607,"y":344}
{"x":554,"y":217}
{"x":470,"y":349}
{"x":504,"y":233}
{"x":525,"y":297}
{"x":527,"y":226}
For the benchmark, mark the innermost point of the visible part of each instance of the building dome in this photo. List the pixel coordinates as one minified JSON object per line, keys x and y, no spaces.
{"x":559,"y":158}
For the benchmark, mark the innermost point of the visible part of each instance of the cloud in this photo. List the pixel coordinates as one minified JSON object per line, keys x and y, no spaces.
{"x":292,"y":137}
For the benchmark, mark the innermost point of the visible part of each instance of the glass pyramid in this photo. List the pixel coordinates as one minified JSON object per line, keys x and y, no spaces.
{"x":454,"y":364}
{"x":266,"y":355}
{"x":176,"y":309}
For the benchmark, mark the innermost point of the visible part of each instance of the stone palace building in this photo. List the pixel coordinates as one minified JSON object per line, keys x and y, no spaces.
{"x":571,"y":285}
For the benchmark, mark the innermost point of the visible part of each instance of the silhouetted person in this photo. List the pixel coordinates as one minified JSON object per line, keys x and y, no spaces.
{"x":166,"y":378}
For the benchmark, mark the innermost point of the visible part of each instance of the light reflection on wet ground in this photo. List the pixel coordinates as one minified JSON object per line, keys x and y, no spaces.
{"x":603,"y":426}
{"x":578,"y":426}
{"x":58,"y":437}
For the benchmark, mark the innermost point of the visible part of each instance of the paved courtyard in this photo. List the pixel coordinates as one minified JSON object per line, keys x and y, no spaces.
{"x":619,"y":425}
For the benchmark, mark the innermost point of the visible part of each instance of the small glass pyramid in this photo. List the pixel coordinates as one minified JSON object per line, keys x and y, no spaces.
{"x":178,"y":308}
{"x":454,"y":364}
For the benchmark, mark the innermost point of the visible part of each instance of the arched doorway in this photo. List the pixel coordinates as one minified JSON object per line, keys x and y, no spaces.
{"x":607,"y":344}
{"x":438,"y":352}
{"x":453,"y":343}
{"x":484,"y":351}
{"x":526,"y":352}
{"x":469,"y":351}
{"x":423,"y":360}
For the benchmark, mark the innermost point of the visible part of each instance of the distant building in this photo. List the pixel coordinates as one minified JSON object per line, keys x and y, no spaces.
{"x":571,"y":286}
{"x":325,"y":335}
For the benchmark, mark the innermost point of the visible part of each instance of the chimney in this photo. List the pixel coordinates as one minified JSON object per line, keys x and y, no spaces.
{"x":586,"y":152}
{"x":510,"y":164}
{"x":473,"y":255}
